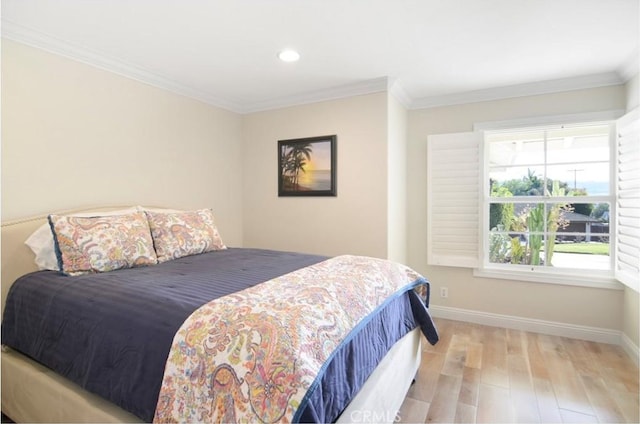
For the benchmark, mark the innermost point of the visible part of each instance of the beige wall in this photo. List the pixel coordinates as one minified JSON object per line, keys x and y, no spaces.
{"x":588,"y":306}
{"x":631,"y":325}
{"x":353,"y":222}
{"x":74,"y":135}
{"x":397,"y":181}
{"x":632,"y":88}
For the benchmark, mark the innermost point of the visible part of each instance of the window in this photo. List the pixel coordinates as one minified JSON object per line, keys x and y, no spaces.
{"x":552,"y":203}
{"x":548,"y":199}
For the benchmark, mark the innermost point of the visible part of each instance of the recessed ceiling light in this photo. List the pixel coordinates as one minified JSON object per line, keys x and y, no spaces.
{"x":289,"y":55}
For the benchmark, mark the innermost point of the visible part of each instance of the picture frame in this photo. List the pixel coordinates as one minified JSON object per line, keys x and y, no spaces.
{"x":307,"y":166}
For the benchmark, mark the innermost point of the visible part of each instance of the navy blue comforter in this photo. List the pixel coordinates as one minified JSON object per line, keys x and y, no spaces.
{"x":111,"y":333}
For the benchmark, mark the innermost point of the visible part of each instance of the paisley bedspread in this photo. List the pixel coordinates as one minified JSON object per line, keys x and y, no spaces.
{"x":254,"y":355}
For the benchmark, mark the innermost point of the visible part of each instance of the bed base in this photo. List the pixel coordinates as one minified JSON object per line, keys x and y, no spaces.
{"x":33,"y":393}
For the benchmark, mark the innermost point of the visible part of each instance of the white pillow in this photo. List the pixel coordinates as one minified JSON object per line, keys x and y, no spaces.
{"x":42,"y":244}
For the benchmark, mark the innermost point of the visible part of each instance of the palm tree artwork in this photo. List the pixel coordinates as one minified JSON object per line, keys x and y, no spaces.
{"x":307,"y":167}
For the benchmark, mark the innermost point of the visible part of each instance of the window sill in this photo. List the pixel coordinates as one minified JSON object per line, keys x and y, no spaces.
{"x":537,"y":276}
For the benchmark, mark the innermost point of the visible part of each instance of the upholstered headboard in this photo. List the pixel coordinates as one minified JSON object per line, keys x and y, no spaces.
{"x":17,"y":258}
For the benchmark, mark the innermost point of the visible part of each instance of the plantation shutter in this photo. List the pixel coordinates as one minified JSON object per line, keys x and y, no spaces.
{"x":453,"y":196}
{"x":627,"y":259}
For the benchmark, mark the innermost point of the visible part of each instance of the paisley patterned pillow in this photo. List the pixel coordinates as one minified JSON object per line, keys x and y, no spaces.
{"x":179,"y":234}
{"x":87,"y":245}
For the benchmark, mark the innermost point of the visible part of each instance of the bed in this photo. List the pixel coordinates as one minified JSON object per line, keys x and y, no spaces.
{"x":33,"y":392}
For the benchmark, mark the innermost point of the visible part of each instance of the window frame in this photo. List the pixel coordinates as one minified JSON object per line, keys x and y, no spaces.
{"x":545,"y":274}
{"x":487,"y":200}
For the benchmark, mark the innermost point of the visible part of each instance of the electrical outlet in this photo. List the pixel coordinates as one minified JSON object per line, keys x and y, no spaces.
{"x":444,"y":292}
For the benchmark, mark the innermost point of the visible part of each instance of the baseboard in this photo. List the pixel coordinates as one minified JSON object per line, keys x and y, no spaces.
{"x":595,"y":334}
{"x":632,"y":350}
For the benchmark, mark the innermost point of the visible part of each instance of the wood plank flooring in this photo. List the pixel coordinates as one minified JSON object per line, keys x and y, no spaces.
{"x":480,"y":374}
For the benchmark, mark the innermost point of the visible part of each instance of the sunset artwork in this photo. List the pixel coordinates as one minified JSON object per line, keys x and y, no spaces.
{"x":307,"y":166}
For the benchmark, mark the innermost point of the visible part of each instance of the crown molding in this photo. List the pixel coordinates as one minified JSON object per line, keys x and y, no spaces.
{"x":376,"y":85}
{"x":360,"y":88}
{"x":520,"y":90}
{"x":33,"y":38}
{"x":399,"y":93}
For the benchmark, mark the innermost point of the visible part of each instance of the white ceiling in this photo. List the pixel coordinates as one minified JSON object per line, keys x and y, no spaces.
{"x":428,"y":52}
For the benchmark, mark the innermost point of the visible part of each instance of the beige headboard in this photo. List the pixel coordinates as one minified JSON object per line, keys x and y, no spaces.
{"x":17,"y":258}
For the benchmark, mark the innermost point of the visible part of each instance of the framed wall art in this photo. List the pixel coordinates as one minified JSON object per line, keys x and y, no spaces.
{"x":307,"y":166}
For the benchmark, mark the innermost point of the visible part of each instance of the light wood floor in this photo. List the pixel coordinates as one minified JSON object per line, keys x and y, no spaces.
{"x":486,"y":374}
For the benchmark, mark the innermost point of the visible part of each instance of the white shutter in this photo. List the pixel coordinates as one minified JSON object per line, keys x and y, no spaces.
{"x":627,"y":259}
{"x":453,"y":196}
